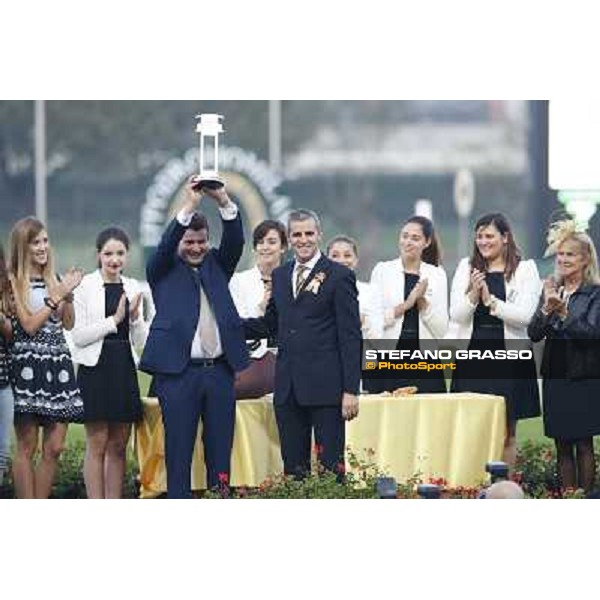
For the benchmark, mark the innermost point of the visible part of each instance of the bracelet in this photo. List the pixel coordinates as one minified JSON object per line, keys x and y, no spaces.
{"x":51,"y":304}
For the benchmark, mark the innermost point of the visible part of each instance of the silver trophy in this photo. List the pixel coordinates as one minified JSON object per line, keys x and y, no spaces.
{"x":209,"y":126}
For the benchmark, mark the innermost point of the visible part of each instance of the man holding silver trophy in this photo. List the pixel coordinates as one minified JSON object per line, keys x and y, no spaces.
{"x":196,"y":341}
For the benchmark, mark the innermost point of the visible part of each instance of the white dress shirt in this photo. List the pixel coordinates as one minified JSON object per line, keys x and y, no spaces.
{"x":228,"y":213}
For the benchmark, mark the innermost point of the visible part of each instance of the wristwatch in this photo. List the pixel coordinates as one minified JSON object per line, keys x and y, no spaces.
{"x":491,"y":304}
{"x":50,"y":303}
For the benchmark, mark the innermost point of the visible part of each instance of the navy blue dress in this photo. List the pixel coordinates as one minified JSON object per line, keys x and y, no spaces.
{"x":110,"y":390}
{"x":521,"y":393}
{"x":426,"y":382}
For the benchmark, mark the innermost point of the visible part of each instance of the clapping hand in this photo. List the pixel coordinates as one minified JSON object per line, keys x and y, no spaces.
{"x":134,"y":307}
{"x":479,"y":287}
{"x":553,"y":301}
{"x":71,"y":279}
{"x":417,"y":292}
{"x":416,"y":296}
{"x":121,"y":309}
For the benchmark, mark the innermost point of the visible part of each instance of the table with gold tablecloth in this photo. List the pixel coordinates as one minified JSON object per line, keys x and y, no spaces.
{"x":435,"y":435}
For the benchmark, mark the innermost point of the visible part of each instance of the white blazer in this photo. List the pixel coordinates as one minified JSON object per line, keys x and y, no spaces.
{"x":522,"y":296}
{"x":91,"y":324}
{"x":247,"y":291}
{"x":371,"y":317}
{"x":387,"y":288}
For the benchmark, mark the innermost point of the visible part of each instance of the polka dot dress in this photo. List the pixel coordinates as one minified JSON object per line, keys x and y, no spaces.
{"x":41,"y":369}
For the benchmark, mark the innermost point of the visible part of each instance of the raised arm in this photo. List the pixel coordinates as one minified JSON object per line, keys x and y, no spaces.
{"x":163,"y":259}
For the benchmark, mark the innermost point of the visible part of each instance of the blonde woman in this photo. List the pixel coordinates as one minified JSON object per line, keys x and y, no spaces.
{"x":568,"y":318}
{"x":46,"y":394}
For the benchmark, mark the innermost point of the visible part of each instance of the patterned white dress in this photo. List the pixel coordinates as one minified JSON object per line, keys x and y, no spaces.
{"x":42,"y":372}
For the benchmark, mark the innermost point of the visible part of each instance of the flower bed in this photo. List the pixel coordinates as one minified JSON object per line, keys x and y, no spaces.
{"x":535,"y":472}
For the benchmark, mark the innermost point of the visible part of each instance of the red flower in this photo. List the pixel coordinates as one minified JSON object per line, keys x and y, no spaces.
{"x":341,"y":467}
{"x":318,"y":448}
{"x":223,"y":478}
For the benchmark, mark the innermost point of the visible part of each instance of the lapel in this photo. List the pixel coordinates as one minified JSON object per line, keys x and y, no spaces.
{"x":289,"y":270}
{"x":319,"y":266}
{"x":99,"y":299}
{"x":398,"y":280}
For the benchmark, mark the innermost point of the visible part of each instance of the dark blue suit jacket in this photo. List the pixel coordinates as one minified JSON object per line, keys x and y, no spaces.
{"x":318,"y":335}
{"x":176,"y":295}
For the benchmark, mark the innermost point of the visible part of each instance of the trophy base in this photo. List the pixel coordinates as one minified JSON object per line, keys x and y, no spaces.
{"x":212,"y":184}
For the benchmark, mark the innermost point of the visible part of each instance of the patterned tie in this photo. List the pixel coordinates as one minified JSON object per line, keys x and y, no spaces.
{"x":208,"y":334}
{"x":301,"y":274}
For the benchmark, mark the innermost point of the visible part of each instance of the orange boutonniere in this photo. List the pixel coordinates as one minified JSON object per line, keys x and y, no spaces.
{"x":316,"y":282}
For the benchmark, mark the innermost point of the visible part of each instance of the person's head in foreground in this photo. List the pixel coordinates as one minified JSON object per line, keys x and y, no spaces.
{"x":504,"y":490}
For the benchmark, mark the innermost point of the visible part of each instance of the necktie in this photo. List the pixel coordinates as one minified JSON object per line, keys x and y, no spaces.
{"x":301,"y":274}
{"x":208,"y":333}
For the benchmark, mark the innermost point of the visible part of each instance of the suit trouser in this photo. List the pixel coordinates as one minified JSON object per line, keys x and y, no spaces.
{"x":205,"y":392}
{"x":295,"y":424}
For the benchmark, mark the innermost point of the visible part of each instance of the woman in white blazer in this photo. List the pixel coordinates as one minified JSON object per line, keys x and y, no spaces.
{"x":493,"y":298}
{"x":108,"y":324}
{"x":411,"y":294}
{"x":251,"y":291}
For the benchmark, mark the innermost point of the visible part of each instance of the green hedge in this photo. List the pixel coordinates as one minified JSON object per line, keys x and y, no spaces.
{"x":69,"y":479}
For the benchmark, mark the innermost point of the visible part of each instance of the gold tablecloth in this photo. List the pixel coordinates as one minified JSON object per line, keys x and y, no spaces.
{"x":436,"y":435}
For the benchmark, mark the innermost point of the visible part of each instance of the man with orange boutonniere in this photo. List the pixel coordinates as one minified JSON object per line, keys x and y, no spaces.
{"x":313,"y":313}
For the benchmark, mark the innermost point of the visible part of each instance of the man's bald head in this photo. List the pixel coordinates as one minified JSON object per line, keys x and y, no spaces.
{"x":504,"y":490}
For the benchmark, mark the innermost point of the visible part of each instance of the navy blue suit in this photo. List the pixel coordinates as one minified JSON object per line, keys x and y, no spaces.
{"x":187,"y":391}
{"x":319,"y":344}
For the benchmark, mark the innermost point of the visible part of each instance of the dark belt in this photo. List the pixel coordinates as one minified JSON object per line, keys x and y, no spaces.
{"x":207,"y":362}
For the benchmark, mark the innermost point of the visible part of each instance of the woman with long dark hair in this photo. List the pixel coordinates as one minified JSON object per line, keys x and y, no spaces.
{"x":568,"y":318}
{"x":494,"y":295}
{"x":411,"y":291}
